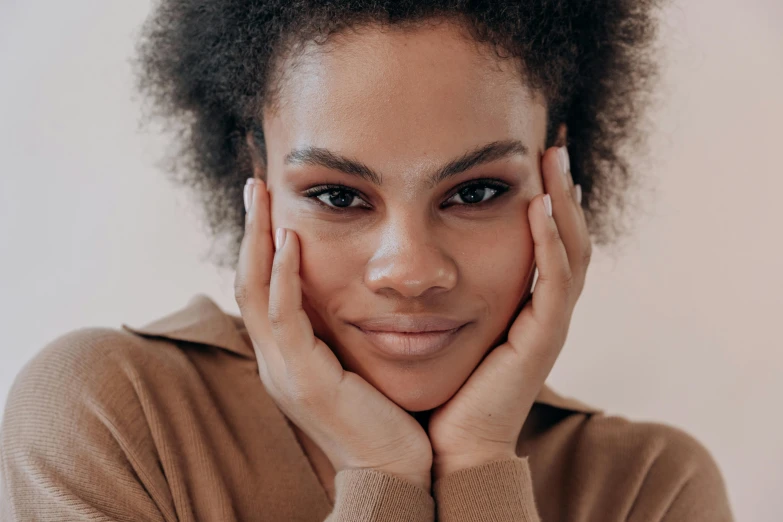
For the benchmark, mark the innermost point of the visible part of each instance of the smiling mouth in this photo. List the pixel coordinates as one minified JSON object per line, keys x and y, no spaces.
{"x":410,"y":345}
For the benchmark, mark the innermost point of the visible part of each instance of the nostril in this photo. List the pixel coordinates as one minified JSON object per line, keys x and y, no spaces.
{"x":412,"y":275}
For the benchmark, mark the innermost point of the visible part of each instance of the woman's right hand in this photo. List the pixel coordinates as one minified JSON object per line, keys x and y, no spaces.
{"x":353,"y":423}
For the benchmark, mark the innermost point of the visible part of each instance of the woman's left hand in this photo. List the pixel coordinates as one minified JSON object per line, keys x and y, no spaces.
{"x":483,"y":420}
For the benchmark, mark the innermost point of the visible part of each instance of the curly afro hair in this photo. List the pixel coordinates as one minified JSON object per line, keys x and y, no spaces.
{"x":207,"y":66}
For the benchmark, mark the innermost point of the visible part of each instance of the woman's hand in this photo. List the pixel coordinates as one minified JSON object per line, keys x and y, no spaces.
{"x":483,"y":420}
{"x":353,"y":423}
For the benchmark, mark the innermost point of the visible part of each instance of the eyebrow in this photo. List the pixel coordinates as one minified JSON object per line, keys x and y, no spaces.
{"x":318,"y":156}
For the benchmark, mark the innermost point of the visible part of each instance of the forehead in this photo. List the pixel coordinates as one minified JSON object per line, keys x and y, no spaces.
{"x":429,"y":92}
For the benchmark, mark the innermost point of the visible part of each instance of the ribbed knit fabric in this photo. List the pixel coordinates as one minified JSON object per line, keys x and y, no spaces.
{"x":170,"y":422}
{"x":374,"y":495}
{"x":496,"y":491}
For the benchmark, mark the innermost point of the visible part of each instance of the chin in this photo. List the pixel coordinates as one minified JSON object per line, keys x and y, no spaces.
{"x":416,"y":390}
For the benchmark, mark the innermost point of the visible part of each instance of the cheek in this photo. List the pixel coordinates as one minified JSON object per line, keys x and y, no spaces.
{"x":326,"y":262}
{"x":329,"y":263}
{"x":497,"y":271}
{"x":328,"y":273}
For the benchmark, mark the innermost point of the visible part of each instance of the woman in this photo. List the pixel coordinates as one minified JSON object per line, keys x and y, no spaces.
{"x":412,"y":166}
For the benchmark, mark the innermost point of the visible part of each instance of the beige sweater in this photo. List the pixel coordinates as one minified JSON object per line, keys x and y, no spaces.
{"x":171,"y":422}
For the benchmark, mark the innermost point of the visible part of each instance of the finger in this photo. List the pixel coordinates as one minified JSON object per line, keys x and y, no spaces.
{"x":291,"y":327}
{"x":577,"y":192}
{"x":552,"y":295}
{"x":564,"y":165}
{"x":587,"y":245}
{"x":251,"y":283}
{"x":567,"y":212}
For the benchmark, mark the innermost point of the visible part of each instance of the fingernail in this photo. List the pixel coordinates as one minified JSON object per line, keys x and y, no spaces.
{"x":280,"y":235}
{"x":579,"y":193}
{"x":548,"y":205}
{"x":248,"y":194}
{"x":565,"y":161}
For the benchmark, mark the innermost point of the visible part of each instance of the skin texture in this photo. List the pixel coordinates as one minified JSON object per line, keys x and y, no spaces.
{"x":405,"y":103}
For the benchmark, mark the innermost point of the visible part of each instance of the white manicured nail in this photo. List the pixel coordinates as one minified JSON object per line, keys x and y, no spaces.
{"x":565,"y":161}
{"x":279,"y":238}
{"x":248,"y":194}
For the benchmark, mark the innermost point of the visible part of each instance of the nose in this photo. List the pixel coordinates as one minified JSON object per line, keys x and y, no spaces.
{"x":409,"y":262}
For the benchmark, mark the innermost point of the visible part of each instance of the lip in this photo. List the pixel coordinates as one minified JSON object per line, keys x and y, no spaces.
{"x":424,"y":343}
{"x":409,"y":324}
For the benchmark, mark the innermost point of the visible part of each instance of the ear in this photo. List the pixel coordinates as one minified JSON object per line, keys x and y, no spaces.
{"x":259,"y":168}
{"x":562,"y":135}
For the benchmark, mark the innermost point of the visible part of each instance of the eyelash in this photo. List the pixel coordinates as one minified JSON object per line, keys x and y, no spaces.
{"x":497,"y":186}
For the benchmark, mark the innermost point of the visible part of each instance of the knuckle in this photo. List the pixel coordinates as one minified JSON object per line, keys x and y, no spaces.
{"x":568,"y":281}
{"x":587,"y":255}
{"x":276,"y":316}
{"x":241,"y":293}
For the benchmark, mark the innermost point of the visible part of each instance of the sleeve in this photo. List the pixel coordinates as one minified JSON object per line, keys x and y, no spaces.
{"x":62,"y":457}
{"x":501,"y":491}
{"x":366,"y":495}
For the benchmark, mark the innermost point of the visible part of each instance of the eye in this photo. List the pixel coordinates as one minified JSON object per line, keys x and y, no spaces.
{"x":336,"y":196}
{"x":476,"y":193}
{"x":340,"y":197}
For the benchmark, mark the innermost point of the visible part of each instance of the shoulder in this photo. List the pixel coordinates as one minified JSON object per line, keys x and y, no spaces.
{"x":634,"y":470}
{"x":92,"y":355}
{"x":653,"y":443}
{"x":87,"y":395}
{"x":664,"y":472}
{"x":605,"y":437}
{"x":678,"y":477}
{"x":75,"y":440}
{"x":557,"y":419}
{"x":86,"y":372}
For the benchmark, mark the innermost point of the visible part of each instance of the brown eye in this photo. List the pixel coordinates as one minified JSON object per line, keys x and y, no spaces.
{"x":476,"y":193}
{"x":336,"y":197}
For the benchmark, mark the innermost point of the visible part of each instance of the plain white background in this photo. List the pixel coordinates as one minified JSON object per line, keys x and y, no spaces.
{"x":683,"y":327}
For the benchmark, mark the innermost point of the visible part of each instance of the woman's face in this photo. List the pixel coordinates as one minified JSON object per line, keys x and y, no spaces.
{"x":420,"y":232}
